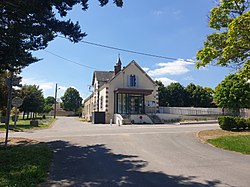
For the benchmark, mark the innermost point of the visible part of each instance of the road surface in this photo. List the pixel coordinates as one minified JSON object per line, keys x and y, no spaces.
{"x":138,"y":155}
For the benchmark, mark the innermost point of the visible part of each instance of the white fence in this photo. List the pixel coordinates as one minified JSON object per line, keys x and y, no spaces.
{"x":191,"y":111}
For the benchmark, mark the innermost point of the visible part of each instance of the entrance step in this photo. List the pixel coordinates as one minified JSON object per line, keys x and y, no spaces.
{"x":126,"y":121}
{"x":155,"y":119}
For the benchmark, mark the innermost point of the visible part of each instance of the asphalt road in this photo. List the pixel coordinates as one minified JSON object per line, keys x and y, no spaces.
{"x":141,"y":155}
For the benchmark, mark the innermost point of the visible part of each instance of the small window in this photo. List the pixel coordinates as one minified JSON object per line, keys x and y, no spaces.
{"x":132,"y":81}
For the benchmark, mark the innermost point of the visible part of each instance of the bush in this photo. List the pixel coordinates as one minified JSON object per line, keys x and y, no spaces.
{"x":248,"y":123}
{"x":233,"y":123}
{"x":226,"y":122}
{"x":240,"y":123}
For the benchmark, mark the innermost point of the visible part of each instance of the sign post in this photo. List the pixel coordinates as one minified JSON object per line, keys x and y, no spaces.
{"x":16,"y":102}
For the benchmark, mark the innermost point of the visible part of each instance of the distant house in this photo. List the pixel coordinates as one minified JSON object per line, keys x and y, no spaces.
{"x":123,"y":95}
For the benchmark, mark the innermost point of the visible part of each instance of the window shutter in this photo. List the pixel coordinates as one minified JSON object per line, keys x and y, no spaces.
{"x":128,"y":80}
{"x":137,"y":81}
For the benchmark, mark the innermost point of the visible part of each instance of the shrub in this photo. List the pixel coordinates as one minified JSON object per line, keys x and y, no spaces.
{"x":233,"y":123}
{"x":226,"y":122}
{"x":240,"y":123}
{"x":248,"y":123}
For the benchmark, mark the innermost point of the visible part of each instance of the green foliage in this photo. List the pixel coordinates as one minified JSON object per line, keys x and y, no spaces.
{"x":233,"y":123}
{"x":226,"y":122}
{"x":27,"y":26}
{"x":230,"y":44}
{"x":71,"y":100}
{"x":233,"y":93}
{"x":3,"y":92}
{"x":175,"y":95}
{"x":49,"y":100}
{"x":198,"y":96}
{"x":248,"y":123}
{"x":163,"y":94}
{"x":48,"y":105}
{"x":33,"y":100}
{"x":24,"y":165}
{"x":233,"y":143}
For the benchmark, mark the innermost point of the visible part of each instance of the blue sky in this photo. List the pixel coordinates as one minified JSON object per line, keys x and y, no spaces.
{"x":168,"y":28}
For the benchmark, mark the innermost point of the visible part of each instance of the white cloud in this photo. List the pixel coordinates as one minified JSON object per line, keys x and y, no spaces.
{"x":44,"y":85}
{"x":158,"y":12}
{"x":177,"y":67}
{"x":146,"y":69}
{"x":62,"y":88}
{"x":166,"y":81}
{"x":177,"y":12}
{"x":188,"y":78}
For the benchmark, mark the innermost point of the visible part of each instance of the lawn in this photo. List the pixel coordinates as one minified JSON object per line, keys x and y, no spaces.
{"x":24,"y":165}
{"x":239,"y":143}
{"x":25,"y":124}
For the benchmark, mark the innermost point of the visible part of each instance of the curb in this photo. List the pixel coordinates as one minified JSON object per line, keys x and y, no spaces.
{"x":199,"y":122}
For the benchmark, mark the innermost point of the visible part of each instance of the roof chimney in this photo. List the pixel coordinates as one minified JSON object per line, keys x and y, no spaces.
{"x":118,"y":65}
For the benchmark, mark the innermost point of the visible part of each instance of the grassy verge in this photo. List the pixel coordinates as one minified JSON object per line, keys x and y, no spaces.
{"x":229,"y":140}
{"x":24,"y":165}
{"x":25,"y":124}
{"x":233,"y":143}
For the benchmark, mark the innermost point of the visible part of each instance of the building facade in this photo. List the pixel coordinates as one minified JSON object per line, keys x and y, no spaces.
{"x":124,"y":92}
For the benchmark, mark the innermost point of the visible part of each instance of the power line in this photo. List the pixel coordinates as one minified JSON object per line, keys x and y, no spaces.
{"x":130,"y":51}
{"x":69,"y":60}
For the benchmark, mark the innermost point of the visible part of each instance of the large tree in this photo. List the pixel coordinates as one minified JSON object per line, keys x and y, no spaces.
{"x":71,"y":100}
{"x":176,"y":95}
{"x":197,"y":96}
{"x":48,"y":104}
{"x":28,"y":25}
{"x":230,"y":44}
{"x":163,"y":94}
{"x":33,"y":100}
{"x":233,"y":93}
{"x":3,"y":93}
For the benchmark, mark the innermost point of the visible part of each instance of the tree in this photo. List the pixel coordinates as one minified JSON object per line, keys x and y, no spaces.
{"x":71,"y":100}
{"x":197,"y":96}
{"x":3,"y":93}
{"x":163,"y":94}
{"x":233,"y":93}
{"x":48,"y":104}
{"x":176,"y":95}
{"x":50,"y":100}
{"x":33,"y":100}
{"x":27,"y":26}
{"x":230,"y":44}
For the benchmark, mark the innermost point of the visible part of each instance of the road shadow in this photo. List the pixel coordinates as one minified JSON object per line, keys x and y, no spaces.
{"x":96,"y":165}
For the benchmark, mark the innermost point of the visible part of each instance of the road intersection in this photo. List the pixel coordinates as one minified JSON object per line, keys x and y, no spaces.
{"x":137,"y":155}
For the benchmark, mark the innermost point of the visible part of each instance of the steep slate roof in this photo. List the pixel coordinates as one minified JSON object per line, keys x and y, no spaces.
{"x":134,"y":62}
{"x":102,"y":76}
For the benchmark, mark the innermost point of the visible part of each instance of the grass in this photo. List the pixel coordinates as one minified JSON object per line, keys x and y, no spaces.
{"x":24,"y":165}
{"x":25,"y":124}
{"x":239,"y":143}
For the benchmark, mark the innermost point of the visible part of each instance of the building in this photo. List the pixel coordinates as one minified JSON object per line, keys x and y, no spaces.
{"x":124,"y":95}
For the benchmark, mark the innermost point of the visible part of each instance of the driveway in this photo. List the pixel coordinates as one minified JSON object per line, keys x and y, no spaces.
{"x":138,"y":155}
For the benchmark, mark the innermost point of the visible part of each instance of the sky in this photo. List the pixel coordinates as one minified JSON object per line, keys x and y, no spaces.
{"x":175,"y":29}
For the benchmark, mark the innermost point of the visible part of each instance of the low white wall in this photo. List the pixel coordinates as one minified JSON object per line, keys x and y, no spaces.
{"x":168,"y":116}
{"x":140,"y":119}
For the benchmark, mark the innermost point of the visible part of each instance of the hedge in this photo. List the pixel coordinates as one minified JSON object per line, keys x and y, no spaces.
{"x":233,"y":123}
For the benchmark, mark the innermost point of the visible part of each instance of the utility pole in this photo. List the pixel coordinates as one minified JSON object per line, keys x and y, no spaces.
{"x":55,"y":102}
{"x":9,"y":82}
